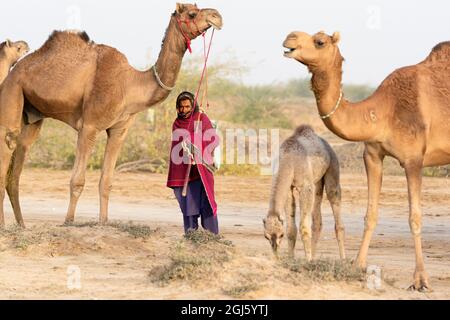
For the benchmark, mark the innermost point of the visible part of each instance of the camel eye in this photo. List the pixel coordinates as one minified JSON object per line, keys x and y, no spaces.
{"x":192,"y":15}
{"x":281,"y":235}
{"x":320,"y":43}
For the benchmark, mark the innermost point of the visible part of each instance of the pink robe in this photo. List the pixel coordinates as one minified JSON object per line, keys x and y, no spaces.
{"x":205,"y":140}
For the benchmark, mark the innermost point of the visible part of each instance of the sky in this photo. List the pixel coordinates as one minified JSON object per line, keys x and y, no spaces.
{"x":377,"y":36}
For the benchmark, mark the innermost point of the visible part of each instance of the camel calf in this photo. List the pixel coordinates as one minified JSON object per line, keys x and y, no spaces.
{"x":307,"y":165}
{"x":10,"y":53}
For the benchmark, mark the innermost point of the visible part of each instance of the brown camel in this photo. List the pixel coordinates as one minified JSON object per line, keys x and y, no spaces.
{"x":307,"y":165}
{"x":10,"y":53}
{"x":92,"y":88}
{"x":407,"y":118}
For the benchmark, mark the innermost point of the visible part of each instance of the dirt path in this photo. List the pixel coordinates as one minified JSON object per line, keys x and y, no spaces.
{"x":113,"y":264}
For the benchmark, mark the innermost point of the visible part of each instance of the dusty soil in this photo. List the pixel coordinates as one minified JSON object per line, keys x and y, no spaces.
{"x":116,"y":262}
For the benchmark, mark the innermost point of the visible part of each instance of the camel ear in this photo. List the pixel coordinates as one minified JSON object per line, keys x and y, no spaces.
{"x":8,"y":43}
{"x":336,"y":37}
{"x":180,"y":8}
{"x":264,"y":221}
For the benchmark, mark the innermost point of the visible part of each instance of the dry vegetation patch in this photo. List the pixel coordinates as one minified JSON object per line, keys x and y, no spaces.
{"x":325,"y":269}
{"x":116,"y":238}
{"x":198,"y":255}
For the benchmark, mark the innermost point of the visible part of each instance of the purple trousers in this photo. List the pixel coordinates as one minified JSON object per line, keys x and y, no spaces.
{"x":196,"y":205}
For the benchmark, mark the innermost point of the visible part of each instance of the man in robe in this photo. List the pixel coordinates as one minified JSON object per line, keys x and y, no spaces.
{"x":191,"y":165}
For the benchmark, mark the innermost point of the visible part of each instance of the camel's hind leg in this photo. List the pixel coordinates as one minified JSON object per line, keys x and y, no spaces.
{"x":86,"y":141}
{"x":317,"y":216}
{"x":116,"y":137}
{"x":291,"y":227}
{"x":28,"y":135}
{"x":333,"y":190}
{"x":307,"y":197}
{"x":11,"y":106}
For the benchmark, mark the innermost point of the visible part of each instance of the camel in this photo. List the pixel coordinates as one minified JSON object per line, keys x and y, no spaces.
{"x":91,"y":87}
{"x":10,"y":53}
{"x":307,"y":164}
{"x":407,"y":118}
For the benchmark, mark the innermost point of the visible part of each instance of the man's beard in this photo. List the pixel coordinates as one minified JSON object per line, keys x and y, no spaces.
{"x":184,"y":115}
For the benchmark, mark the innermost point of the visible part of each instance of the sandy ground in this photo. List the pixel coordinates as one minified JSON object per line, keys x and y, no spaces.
{"x":113,"y":264}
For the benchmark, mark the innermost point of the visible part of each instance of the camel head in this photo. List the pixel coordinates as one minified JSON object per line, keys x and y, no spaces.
{"x":13,"y":51}
{"x":318,"y":51}
{"x":194,"y":21}
{"x":274,"y":231}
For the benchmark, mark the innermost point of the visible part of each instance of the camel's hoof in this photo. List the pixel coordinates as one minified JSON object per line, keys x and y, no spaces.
{"x":420,"y":282}
{"x":68,"y":222}
{"x":357,"y":265}
{"x":421,"y":288}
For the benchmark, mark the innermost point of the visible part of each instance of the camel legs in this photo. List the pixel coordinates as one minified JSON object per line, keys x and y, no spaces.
{"x":28,"y":135}
{"x":317,"y":216}
{"x":85,"y":144}
{"x":5,"y":158}
{"x":116,"y":137}
{"x":373,"y":160}
{"x":414,"y":177}
{"x":11,"y":106}
{"x":307,"y":199}
{"x":333,"y":190}
{"x":291,"y":227}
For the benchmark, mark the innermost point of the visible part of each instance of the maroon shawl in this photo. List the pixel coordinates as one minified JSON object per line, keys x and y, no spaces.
{"x":205,"y":139}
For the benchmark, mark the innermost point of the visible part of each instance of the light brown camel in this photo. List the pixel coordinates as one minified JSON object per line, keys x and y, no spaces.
{"x":92,"y":88}
{"x":10,"y":53}
{"x":407,"y":118}
{"x":307,"y":163}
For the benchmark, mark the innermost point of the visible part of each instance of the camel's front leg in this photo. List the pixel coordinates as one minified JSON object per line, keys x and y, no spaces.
{"x":11,"y":106}
{"x":414,"y":177}
{"x":6,"y":150}
{"x":291,"y":227}
{"x":307,"y":196}
{"x":28,"y":135}
{"x":116,"y":137}
{"x":86,"y":141}
{"x":373,"y":160}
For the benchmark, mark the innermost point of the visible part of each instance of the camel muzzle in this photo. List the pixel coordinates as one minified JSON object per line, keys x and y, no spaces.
{"x":214,"y":19}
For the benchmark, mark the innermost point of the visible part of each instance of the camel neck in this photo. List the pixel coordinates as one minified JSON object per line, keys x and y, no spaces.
{"x":171,"y":55}
{"x":145,"y":89}
{"x":5,"y":66}
{"x":350,"y":121}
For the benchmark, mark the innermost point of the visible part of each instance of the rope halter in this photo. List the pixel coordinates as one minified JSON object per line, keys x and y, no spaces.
{"x":334,"y":109}
{"x":158,"y":79}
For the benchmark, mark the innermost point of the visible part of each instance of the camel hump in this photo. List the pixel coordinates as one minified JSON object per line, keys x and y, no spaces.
{"x":303,"y":130}
{"x":68,"y":36}
{"x":440,"y":52}
{"x":303,"y":134}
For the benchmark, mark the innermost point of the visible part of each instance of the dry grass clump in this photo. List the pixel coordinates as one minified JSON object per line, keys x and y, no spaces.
{"x":16,"y":237}
{"x":199,"y":255}
{"x":205,"y":237}
{"x":242,"y":288}
{"x":135,"y":230}
{"x":325,"y":269}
